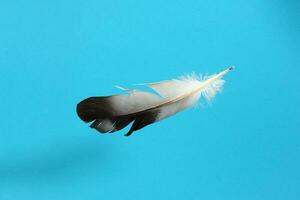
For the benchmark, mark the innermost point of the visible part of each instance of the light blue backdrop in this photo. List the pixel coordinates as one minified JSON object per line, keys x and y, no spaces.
{"x":246,"y":145}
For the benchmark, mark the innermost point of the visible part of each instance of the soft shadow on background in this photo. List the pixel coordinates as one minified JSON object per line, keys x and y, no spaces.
{"x":56,"y":160}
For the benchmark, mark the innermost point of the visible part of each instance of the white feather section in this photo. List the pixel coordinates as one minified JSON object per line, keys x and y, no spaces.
{"x":185,"y":92}
{"x":134,"y":101}
{"x":210,"y":91}
{"x":177,"y":106}
{"x":174,"y":88}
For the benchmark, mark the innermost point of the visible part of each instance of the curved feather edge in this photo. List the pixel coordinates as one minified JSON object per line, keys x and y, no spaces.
{"x":113,"y":113}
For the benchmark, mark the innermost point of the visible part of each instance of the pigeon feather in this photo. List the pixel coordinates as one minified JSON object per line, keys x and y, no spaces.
{"x":112,"y":113}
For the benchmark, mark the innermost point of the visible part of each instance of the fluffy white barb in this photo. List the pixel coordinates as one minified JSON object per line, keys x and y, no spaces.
{"x":112,"y":113}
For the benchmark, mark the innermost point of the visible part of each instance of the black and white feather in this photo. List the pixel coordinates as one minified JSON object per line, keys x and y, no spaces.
{"x":112,"y":113}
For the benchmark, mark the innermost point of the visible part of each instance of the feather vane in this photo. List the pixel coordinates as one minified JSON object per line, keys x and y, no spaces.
{"x":113,"y":113}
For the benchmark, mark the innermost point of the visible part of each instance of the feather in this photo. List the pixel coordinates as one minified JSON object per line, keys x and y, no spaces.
{"x":112,"y":113}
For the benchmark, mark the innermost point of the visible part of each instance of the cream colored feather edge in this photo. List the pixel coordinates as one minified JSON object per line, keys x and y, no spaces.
{"x":112,"y":113}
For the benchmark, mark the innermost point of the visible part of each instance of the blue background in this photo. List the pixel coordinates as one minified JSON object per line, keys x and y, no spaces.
{"x":246,"y":145}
